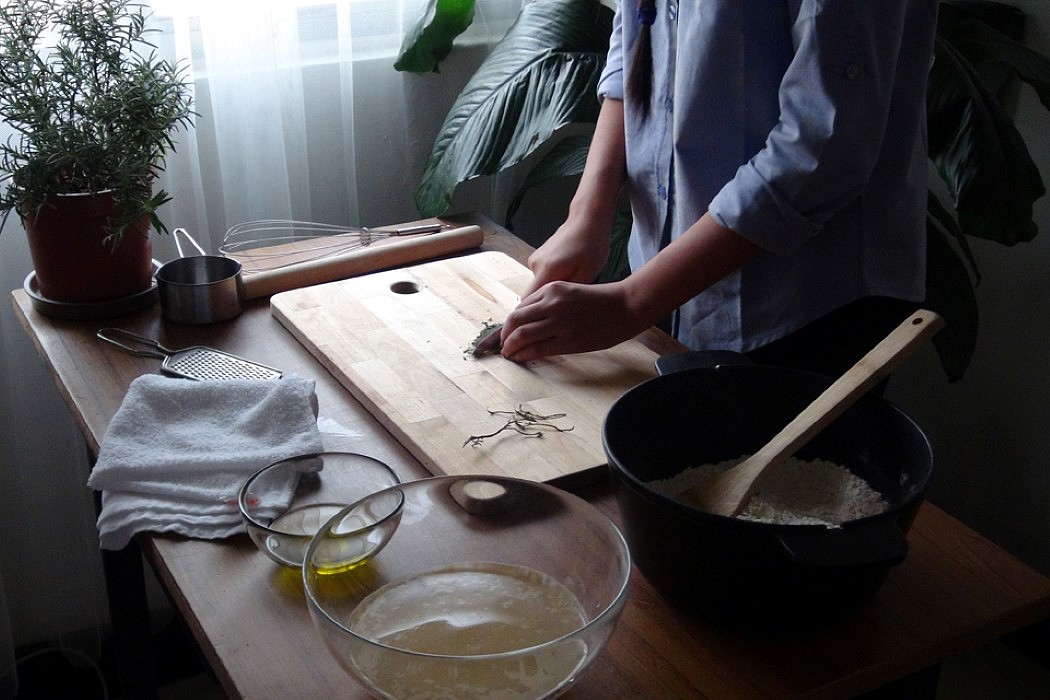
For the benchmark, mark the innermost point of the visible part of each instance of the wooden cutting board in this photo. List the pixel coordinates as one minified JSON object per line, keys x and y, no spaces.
{"x":398,"y":341}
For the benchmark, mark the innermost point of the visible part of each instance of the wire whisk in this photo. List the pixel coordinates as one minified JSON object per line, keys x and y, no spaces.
{"x":262,"y":244}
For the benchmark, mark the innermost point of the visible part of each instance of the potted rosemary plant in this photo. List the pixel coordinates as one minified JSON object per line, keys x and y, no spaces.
{"x":92,"y":111}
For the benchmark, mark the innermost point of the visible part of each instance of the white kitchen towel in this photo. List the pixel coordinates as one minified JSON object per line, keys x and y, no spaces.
{"x":126,"y":513}
{"x":177,"y":451}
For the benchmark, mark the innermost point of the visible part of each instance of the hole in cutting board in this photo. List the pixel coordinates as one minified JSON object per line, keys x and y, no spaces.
{"x":404,"y":288}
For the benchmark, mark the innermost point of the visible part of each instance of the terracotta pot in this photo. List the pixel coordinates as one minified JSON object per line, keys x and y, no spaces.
{"x":73,"y":263}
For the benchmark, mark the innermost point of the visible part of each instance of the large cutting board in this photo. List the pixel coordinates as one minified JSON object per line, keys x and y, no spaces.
{"x":397,"y":340}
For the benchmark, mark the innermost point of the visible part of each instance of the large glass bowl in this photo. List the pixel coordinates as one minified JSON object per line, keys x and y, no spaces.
{"x":285,"y":503}
{"x":487,"y":587}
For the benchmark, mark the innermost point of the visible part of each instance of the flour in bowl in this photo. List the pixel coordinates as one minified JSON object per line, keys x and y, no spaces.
{"x":797,"y":492}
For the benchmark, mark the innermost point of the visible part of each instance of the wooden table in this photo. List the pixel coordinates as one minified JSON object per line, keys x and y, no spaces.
{"x":955,"y":591}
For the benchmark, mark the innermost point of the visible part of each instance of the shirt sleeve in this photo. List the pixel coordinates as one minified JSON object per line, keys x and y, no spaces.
{"x":834,"y":100}
{"x":610,"y":83}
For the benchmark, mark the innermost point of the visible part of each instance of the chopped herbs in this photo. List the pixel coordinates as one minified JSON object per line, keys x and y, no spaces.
{"x":524,"y":422}
{"x":473,"y":349}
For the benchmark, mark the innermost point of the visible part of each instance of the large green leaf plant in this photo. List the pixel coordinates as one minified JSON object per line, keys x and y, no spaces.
{"x":541,"y":77}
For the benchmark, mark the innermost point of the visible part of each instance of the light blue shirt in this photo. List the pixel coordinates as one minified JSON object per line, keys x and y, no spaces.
{"x":801,"y":125}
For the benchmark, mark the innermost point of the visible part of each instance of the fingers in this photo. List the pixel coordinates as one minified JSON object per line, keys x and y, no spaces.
{"x":532,"y":324}
{"x":559,"y":318}
{"x":567,"y":317}
{"x":533,"y":351}
{"x":533,"y":287}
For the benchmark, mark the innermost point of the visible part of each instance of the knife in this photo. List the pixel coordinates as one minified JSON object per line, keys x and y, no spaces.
{"x":488,"y":342}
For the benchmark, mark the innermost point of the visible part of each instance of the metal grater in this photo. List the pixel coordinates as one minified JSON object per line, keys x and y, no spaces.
{"x":205,"y":363}
{"x":197,"y":362}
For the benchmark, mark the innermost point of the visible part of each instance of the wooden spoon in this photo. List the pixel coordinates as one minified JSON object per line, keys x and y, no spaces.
{"x":727,"y":493}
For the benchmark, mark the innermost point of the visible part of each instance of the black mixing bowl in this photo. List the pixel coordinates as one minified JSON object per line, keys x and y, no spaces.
{"x":743,"y":570}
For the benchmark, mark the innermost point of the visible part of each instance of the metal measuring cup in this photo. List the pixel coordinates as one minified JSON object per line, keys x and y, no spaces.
{"x":199,"y":289}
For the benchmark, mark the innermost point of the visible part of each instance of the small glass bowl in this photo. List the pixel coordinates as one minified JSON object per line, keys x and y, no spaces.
{"x":486,"y":587}
{"x":286,"y":503}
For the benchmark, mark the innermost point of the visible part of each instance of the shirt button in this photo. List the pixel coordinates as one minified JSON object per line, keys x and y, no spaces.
{"x":852,"y":71}
{"x":661,"y":192}
{"x":669,"y":103}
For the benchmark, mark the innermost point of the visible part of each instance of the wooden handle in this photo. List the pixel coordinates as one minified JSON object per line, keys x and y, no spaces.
{"x":396,"y":252}
{"x":729,"y":492}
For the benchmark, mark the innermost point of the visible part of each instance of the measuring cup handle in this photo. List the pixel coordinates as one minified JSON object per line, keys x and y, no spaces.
{"x":176,"y":233}
{"x":157,"y":351}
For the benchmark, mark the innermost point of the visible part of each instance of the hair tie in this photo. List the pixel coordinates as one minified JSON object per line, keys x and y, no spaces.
{"x":647,"y":13}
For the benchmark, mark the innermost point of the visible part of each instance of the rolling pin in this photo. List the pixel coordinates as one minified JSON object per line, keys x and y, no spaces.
{"x":393,"y":252}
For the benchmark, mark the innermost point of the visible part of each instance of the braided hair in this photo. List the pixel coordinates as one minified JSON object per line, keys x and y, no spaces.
{"x":640,"y":78}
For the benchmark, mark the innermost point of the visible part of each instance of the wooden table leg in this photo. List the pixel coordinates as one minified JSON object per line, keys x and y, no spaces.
{"x":129,"y":615}
{"x":133,"y":656}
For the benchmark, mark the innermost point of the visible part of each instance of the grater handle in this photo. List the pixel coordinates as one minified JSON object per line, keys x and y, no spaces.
{"x":157,"y":350}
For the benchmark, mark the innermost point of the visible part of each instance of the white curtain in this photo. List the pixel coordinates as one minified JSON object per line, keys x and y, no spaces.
{"x":301,"y":115}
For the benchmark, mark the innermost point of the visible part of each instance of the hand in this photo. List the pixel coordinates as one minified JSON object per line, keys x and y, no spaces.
{"x":575,"y":252}
{"x":566,"y":317}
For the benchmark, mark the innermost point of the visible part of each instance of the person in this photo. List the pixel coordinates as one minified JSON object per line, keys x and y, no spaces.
{"x":774,"y":153}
